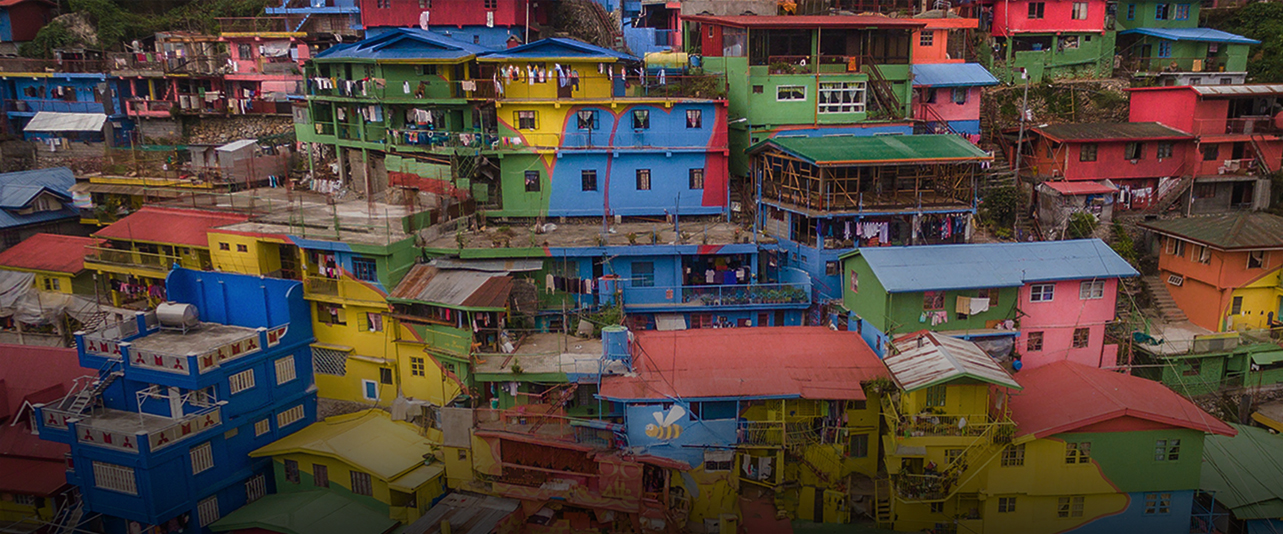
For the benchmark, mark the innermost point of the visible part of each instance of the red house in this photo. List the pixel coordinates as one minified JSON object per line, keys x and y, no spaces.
{"x":21,"y":19}
{"x":1047,"y":16}
{"x":445,"y":13}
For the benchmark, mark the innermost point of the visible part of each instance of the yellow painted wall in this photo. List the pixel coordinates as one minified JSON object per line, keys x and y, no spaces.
{"x":959,"y":400}
{"x":591,"y":83}
{"x":370,"y":351}
{"x":62,"y":282}
{"x":718,"y":492}
{"x":340,"y":479}
{"x":1260,"y":300}
{"x":11,"y":511}
{"x":433,"y":385}
{"x":259,"y":258}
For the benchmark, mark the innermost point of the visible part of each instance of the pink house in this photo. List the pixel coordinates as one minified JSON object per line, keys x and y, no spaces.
{"x":265,"y":63}
{"x":946,"y":97}
{"x":1011,"y":18}
{"x":1065,"y":321}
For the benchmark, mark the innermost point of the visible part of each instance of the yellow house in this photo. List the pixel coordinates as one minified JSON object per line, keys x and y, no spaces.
{"x":366,"y":456}
{"x":57,"y":261}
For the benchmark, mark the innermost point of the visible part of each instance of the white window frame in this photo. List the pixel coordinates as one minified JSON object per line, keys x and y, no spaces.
{"x":116,"y":478}
{"x":1252,"y":255}
{"x":780,"y":88}
{"x":290,"y":416}
{"x":1075,"y":11}
{"x":1042,"y":292}
{"x":1091,"y":290}
{"x":202,"y":458}
{"x":240,"y":381}
{"x":255,"y":488}
{"x":207,"y":509}
{"x":285,"y":370}
{"x":831,"y":99}
{"x":365,"y":389}
{"x":262,"y":427}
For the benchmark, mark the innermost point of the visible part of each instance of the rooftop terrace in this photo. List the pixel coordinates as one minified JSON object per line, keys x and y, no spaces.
{"x":587,"y":232}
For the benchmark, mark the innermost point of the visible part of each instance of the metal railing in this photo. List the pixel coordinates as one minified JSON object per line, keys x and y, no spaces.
{"x":53,"y":65}
{"x":591,"y":432}
{"x":65,"y":106}
{"x":148,"y":108}
{"x":131,"y":258}
{"x":1252,"y":125}
{"x":253,"y":24}
{"x":720,"y":295}
{"x":780,"y":433}
{"x":317,"y":285}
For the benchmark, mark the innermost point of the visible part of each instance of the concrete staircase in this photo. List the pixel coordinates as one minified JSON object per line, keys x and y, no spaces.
{"x":1163,"y":300}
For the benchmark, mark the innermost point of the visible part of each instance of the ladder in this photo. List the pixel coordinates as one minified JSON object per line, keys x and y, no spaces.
{"x":882,"y":92}
{"x":85,"y":396}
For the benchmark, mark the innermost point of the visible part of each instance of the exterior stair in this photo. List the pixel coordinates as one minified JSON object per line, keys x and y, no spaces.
{"x":86,"y":396}
{"x":1163,"y":300}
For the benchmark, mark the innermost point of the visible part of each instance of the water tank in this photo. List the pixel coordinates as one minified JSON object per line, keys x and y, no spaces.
{"x":614,"y":342}
{"x":673,"y":62}
{"x":177,"y":315}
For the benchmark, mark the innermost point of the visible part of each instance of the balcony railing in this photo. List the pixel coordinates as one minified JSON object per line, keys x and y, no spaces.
{"x":131,"y":258}
{"x":591,"y":432}
{"x":125,"y":431}
{"x":65,"y":106}
{"x":253,"y":24}
{"x":785,"y":433}
{"x":316,"y":285}
{"x":936,"y":425}
{"x":76,"y":66}
{"x":1252,"y":125}
{"x":719,"y":295}
{"x":105,"y":341}
{"x":148,"y":108}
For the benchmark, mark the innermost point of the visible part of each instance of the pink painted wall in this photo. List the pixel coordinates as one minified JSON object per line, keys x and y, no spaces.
{"x":1058,"y":319}
{"x":1171,"y":106}
{"x":1013,"y":17}
{"x":944,"y":105}
{"x":1111,"y":163}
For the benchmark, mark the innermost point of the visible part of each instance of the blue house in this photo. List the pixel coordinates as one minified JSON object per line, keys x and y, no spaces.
{"x":161,"y":436}
{"x":36,"y":202}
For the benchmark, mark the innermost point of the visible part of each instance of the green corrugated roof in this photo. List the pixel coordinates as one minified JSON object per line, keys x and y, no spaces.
{"x":307,"y":512}
{"x":1245,"y":471}
{"x":881,"y":149}
{"x":1253,"y":230}
{"x":1268,"y":357}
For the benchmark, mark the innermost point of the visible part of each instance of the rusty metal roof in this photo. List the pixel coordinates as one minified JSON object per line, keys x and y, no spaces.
{"x":1110,"y":131}
{"x":454,"y":287}
{"x":1234,"y":231}
{"x":925,"y":359}
{"x":1239,"y":90}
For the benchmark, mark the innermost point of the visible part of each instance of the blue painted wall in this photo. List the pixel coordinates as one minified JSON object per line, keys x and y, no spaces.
{"x":694,"y":432}
{"x":1134,"y":518}
{"x":6,"y":26}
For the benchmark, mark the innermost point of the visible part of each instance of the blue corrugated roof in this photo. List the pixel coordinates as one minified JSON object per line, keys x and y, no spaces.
{"x":405,"y":43}
{"x":17,"y":189}
{"x":952,"y":75}
{"x":1206,"y":35}
{"x":559,"y":48}
{"x":946,"y":267}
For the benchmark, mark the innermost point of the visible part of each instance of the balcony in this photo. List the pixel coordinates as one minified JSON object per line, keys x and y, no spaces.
{"x":1252,"y":125}
{"x":594,"y":433}
{"x":71,"y":66}
{"x":786,"y":434}
{"x":942,"y":425}
{"x":321,"y":286}
{"x":715,"y":296}
{"x":64,"y":106}
{"x":253,"y":25}
{"x":134,"y":432}
{"x":139,"y":107}
{"x":129,"y":261}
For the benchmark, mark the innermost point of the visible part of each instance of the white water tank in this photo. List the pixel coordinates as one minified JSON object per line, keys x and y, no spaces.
{"x":177,"y":315}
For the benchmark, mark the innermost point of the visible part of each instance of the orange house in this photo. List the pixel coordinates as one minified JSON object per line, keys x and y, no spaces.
{"x":1223,"y":271}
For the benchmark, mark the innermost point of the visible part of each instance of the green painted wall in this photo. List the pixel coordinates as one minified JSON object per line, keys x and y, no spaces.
{"x":517,"y":202}
{"x":899,"y":313}
{"x":1093,"y":58}
{"x":1127,"y":458}
{"x":1207,"y":378}
{"x":1144,"y":15}
{"x":1228,"y":58}
{"x":870,"y":303}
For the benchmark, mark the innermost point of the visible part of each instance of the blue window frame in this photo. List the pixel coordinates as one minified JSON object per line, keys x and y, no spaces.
{"x":365,"y":269}
{"x":1131,"y":11}
{"x":1164,"y":49}
{"x":1160,"y":11}
{"x":1182,"y":11}
{"x":643,"y":274}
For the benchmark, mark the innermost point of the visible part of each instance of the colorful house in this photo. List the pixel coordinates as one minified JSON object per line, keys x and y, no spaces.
{"x":142,"y":247}
{"x":1208,"y":362}
{"x":36,"y":202}
{"x":758,"y":406}
{"x":363,"y":456}
{"x":946,"y":97}
{"x":34,"y":488}
{"x":495,"y":24}
{"x":1162,"y":39}
{"x":160,"y":438}
{"x":1054,"y":297}
{"x":822,"y":197}
{"x":1040,"y":39}
{"x":305,"y":512}
{"x":57,"y":261}
{"x":1240,"y":485}
{"x":1222,"y":270}
{"x":265,"y":56}
{"x":21,"y":19}
{"x":180,"y":74}
{"x":72,"y":91}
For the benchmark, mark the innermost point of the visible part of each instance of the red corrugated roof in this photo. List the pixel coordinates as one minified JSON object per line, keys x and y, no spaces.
{"x":32,"y":477}
{"x":1065,"y":396}
{"x":807,"y":21}
{"x":792,"y":361}
{"x":169,"y":226}
{"x":49,"y":252}
{"x":1080,"y":188}
{"x":30,"y":374}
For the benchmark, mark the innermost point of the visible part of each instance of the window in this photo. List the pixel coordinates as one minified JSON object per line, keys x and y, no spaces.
{"x":643,"y":179}
{"x":951,"y":456}
{"x":208,"y":508}
{"x":1167,"y":450}
{"x":1164,"y":150}
{"x":1081,"y":337}
{"x":1087,"y":152}
{"x":587,"y":119}
{"x":115,"y":478}
{"x":1255,"y":259}
{"x":320,"y":476}
{"x":641,"y":119}
{"x":1091,"y":290}
{"x":224,"y":246}
{"x":255,"y":488}
{"x":330,"y":313}
{"x":527,"y":120}
{"x":262,"y":427}
{"x":365,"y":269}
{"x":933,"y":300}
{"x":491,"y":4}
{"x":53,"y":284}
{"x":1131,"y":11}
{"x":1033,"y":341}
{"x":1160,"y":11}
{"x":758,"y":89}
{"x":425,"y":4}
{"x":291,"y":471}
{"x":1204,"y":190}
{"x":858,"y":446}
{"x":832,"y":268}
{"x":991,"y":294}
{"x":373,"y":322}
{"x":931,"y":95}
{"x":370,"y":390}
{"x":936,"y":396}
{"x":1236,"y":306}
{"x":384,"y":4}
{"x":937,"y":508}
{"x":202,"y":458}
{"x":1182,"y":11}
{"x":1006,"y":505}
{"x":241,"y":381}
{"x":1158,"y":503}
{"x":1037,"y":9}
{"x":1079,"y":453}
{"x":1134,"y":150}
{"x":385,"y":375}
{"x":361,"y":484}
{"x":588,"y":180}
{"x":1079,"y":11}
{"x":694,"y":118}
{"x":697,"y":178}
{"x":289,"y":417}
{"x":643,"y":274}
{"x":927,"y":38}
{"x":1164,"y":49}
{"x":532,"y":181}
{"x":1067,"y":507}
{"x":790,"y":92}
{"x":242,"y":248}
{"x":719,"y":460}
{"x":841,"y":97}
{"x":285,"y":370}
{"x":1042,"y":292}
{"x":959,"y":95}
{"x":418,"y":367}
{"x":24,"y":500}
{"x":1175,"y":247}
{"x":1202,"y":254}
{"x":1210,"y":152}
{"x":329,"y":362}
{"x":1193,"y":368}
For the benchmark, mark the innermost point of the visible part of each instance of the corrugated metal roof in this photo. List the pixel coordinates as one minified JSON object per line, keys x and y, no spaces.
{"x":1232,"y":231}
{"x":319,"y":511}
{"x":807,"y":21}
{"x":877,"y":150}
{"x":778,"y":362}
{"x":468,"y":513}
{"x":1238,"y":90}
{"x":236,"y":145}
{"x":926,"y":359}
{"x":976,"y":266}
{"x":55,"y":121}
{"x":1064,"y":396}
{"x":49,"y":252}
{"x":511,"y":265}
{"x":1080,"y":188}
{"x":1204,"y":35}
{"x":116,"y":189}
{"x":557,"y":48}
{"x":454,"y":287}
{"x":1245,"y":471}
{"x":169,"y":225}
{"x":1108,"y":131}
{"x":952,"y":75}
{"x":404,"y":43}
{"x":369,"y":440}
{"x":17,"y":189}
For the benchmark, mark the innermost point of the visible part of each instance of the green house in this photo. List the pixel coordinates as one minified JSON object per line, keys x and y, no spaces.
{"x":1184,"y":50}
{"x":1210,"y":363}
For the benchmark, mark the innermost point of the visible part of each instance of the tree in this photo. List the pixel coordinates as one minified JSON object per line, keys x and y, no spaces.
{"x":1263,"y":22}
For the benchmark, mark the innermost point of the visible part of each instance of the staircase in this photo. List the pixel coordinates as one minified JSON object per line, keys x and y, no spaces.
{"x":1163,"y":300}
{"x":882,"y":502}
{"x":1260,"y":155}
{"x":883,"y":94}
{"x":86,"y":396}
{"x":1172,"y":195}
{"x":94,"y":321}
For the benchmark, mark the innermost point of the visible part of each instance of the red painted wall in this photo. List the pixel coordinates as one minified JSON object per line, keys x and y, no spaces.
{"x":405,"y":13}
{"x":710,"y":36}
{"x":1013,"y":17}
{"x":27,"y":18}
{"x":1171,"y":106}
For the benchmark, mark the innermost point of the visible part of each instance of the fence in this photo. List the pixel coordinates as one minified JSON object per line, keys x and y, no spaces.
{"x":89,"y":66}
{"x":589,"y":432}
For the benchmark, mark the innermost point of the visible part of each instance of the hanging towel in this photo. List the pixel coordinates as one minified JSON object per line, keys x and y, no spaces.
{"x":963,"y":306}
{"x":978,"y":305}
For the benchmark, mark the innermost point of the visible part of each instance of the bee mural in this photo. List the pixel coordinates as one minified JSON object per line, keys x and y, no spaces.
{"x":665,"y":427}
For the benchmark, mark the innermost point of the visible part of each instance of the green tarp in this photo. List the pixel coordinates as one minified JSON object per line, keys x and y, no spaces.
{"x":307,"y":512}
{"x":878,"y":150}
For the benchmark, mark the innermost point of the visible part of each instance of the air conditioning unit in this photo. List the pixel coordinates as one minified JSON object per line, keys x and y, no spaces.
{"x":1175,"y":279}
